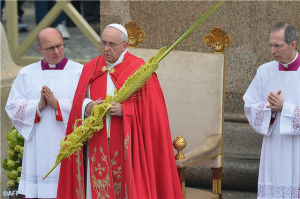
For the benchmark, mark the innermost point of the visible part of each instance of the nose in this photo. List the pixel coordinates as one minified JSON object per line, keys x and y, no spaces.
{"x":273,"y":50}
{"x":106,"y":48}
{"x":56,"y":50}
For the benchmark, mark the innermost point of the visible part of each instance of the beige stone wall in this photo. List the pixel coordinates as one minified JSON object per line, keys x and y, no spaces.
{"x":247,"y":22}
{"x":9,"y":71}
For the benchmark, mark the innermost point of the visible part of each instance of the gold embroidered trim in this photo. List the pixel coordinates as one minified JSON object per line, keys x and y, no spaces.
{"x":79,"y":190}
{"x":101,"y":186}
{"x":86,"y":87}
{"x":117,"y":185}
{"x":126,"y":143}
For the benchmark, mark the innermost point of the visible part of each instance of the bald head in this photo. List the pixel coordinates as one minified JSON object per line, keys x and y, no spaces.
{"x":51,"y":45}
{"x":46,"y":33}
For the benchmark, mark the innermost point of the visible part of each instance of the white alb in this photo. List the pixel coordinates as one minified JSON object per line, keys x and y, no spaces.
{"x":42,"y":140}
{"x":279,"y":172}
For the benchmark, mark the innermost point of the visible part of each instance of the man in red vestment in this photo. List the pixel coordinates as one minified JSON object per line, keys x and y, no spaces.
{"x":132,"y":156}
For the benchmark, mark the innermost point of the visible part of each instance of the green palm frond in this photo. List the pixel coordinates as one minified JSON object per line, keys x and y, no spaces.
{"x":74,"y":141}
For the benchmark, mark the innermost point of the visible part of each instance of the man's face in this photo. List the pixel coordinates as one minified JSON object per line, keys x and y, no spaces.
{"x":112,"y":36}
{"x":281,"y":51}
{"x":50,"y":38}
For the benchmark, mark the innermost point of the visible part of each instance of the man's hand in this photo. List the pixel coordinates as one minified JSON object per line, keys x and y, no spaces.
{"x":276,"y":101}
{"x":89,"y":107}
{"x":51,"y":100}
{"x":116,"y":109}
{"x":42,"y":103}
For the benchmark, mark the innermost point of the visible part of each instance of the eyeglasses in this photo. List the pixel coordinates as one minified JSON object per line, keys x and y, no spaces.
{"x":52,"y":48}
{"x":109,"y":45}
{"x":276,"y":46}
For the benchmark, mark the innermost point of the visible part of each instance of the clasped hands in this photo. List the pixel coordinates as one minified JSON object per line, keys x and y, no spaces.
{"x":47,"y":97}
{"x":276,"y":101}
{"x":115,"y":110}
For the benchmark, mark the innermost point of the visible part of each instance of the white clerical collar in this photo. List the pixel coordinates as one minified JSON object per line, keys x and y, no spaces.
{"x":111,"y":65}
{"x":286,"y":65}
{"x":50,"y":65}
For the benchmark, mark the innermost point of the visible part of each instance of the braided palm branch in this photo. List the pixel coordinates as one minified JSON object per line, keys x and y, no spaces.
{"x":73,"y":142}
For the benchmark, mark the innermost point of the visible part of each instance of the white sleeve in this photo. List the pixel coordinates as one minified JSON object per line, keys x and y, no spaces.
{"x":257,"y":113}
{"x":39,"y":113}
{"x":20,"y":108}
{"x":290,"y":119}
{"x":65,"y":106}
{"x":86,"y":101}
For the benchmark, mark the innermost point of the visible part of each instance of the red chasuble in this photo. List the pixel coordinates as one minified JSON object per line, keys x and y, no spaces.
{"x":139,"y":161}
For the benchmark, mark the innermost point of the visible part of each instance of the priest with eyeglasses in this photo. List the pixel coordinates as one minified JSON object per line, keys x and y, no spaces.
{"x":39,"y":105}
{"x":272,"y":106}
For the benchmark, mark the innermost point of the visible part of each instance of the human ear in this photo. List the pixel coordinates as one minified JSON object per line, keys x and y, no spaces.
{"x":293,"y":44}
{"x":39,"y":49}
{"x":125,"y":45}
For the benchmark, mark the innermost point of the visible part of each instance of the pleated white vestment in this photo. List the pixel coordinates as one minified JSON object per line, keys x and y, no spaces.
{"x":42,"y":140}
{"x":279,"y":172}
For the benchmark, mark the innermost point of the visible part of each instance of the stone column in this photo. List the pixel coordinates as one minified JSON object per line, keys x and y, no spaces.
{"x":114,"y":12}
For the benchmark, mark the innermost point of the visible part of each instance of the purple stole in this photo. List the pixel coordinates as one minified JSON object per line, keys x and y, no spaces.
{"x":292,"y":66}
{"x":59,"y":66}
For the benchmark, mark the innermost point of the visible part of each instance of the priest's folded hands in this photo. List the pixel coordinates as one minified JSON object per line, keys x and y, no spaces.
{"x":49,"y":97}
{"x":276,"y":101}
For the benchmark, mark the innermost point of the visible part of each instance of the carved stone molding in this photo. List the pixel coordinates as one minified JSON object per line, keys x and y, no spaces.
{"x":218,"y":38}
{"x":135,"y":34}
